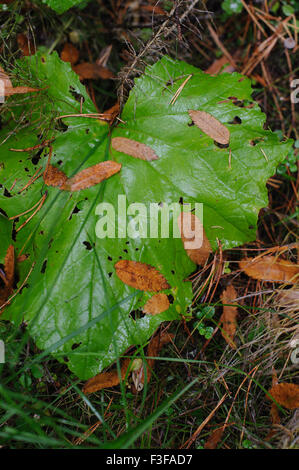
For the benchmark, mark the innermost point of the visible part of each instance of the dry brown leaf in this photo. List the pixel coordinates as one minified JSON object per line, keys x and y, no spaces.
{"x":9,"y":267}
{"x":111,"y":113}
{"x":87,"y":70}
{"x":82,"y":180}
{"x":156,"y":304}
{"x":134,"y":149}
{"x":54,"y":177}
{"x":274,"y":412}
{"x":25,"y":44}
{"x":92,"y":176}
{"x":217,"y":66}
{"x":187,"y":223}
{"x":140,"y":276}
{"x":106,"y":379}
{"x":286,"y":395}
{"x":229,"y":315}
{"x":210,"y":126}
{"x":214,"y":438}
{"x":9,"y":275}
{"x":155,"y":345}
{"x":69,"y":53}
{"x":270,"y":268}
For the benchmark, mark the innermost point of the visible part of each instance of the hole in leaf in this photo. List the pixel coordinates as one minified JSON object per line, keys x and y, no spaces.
{"x":44,"y":266}
{"x":76,"y":95}
{"x":170,"y":298}
{"x":74,"y":211}
{"x":60,"y":126}
{"x":87,"y":245}
{"x":35,"y":159}
{"x":221,"y":146}
{"x":6,"y":193}
{"x":236,"y":120}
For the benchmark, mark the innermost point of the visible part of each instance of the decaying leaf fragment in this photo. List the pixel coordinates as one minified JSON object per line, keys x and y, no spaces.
{"x":286,"y":394}
{"x":214,"y":438}
{"x":141,"y":276}
{"x":229,"y":315}
{"x":274,"y":412}
{"x":8,"y":275}
{"x":210,"y":126}
{"x":9,"y":89}
{"x":25,"y":44}
{"x":133,"y":148}
{"x":54,"y":177}
{"x":158,"y":303}
{"x":270,"y":268}
{"x":82,"y":180}
{"x":155,"y":345}
{"x":87,"y":70}
{"x":92,"y":176}
{"x":69,"y":53}
{"x":191,"y":231}
{"x":107,"y":379}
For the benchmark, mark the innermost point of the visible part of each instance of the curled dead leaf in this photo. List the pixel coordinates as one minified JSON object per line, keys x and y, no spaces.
{"x":107,"y":379}
{"x":92,"y":176}
{"x":69,"y":53}
{"x":156,"y":304}
{"x":286,"y":394}
{"x":141,"y":276}
{"x":270,"y":268}
{"x":155,"y":345}
{"x":210,"y":126}
{"x":229,"y":315}
{"x":87,"y":70}
{"x":194,"y":238}
{"x":133,"y":148}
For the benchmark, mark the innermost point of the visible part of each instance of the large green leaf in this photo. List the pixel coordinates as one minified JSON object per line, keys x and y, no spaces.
{"x":60,"y":6}
{"x":74,"y":284}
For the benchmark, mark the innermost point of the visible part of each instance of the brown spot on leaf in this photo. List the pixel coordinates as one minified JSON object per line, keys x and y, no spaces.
{"x":134,"y":149}
{"x":140,"y":276}
{"x":156,"y":304}
{"x":210,"y":126}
